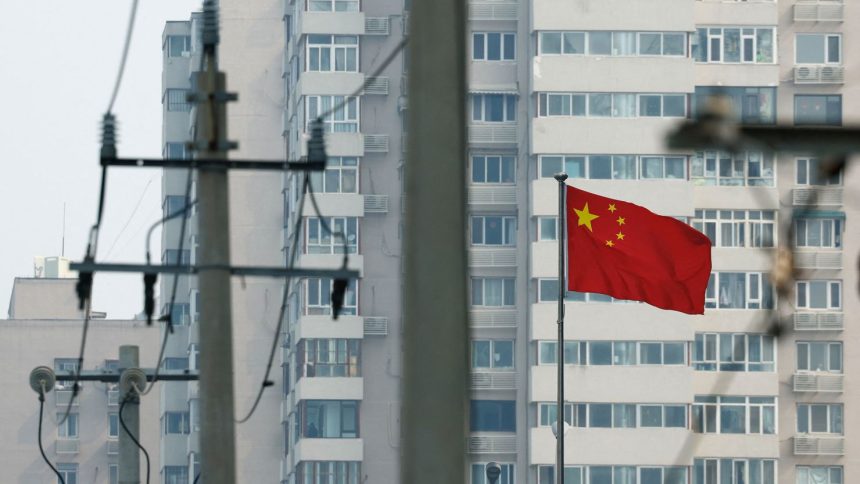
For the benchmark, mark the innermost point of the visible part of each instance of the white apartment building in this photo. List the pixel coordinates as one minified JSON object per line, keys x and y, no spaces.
{"x":590,"y":88}
{"x":44,"y":329}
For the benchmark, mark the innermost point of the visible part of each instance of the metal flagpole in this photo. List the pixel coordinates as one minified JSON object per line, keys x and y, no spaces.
{"x":559,"y":409}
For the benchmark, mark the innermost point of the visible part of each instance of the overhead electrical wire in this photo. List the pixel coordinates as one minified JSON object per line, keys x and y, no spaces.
{"x":133,"y":438}
{"x":39,"y":435}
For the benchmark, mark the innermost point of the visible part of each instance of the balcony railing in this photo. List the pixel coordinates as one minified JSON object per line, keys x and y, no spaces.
{"x":809,"y":445}
{"x":484,"y":257}
{"x":816,"y":196}
{"x":493,"y":318}
{"x":816,"y":382}
{"x":493,"y":11}
{"x":375,"y":326}
{"x":64,"y":397}
{"x":113,"y":447}
{"x":493,"y":444}
{"x":818,"y":260}
{"x":813,"y":74}
{"x":819,"y":11}
{"x":493,"y":195}
{"x":494,"y":380}
{"x":68,"y":446}
{"x":479,"y":133}
{"x":814,"y":321}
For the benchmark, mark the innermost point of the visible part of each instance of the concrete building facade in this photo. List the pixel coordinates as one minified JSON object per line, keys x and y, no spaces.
{"x":590,"y":88}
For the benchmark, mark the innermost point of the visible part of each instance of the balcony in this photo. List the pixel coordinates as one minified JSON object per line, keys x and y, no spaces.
{"x":493,"y":318}
{"x":818,"y":321}
{"x":484,"y":257}
{"x":819,"y":11}
{"x":493,"y":134}
{"x":376,"y":204}
{"x":493,"y":380}
{"x":818,"y":382}
{"x":375,"y":326}
{"x":493,"y":444}
{"x":809,"y":445}
{"x":68,"y":446}
{"x":815,"y":74}
{"x":493,"y":195}
{"x":818,"y":260}
{"x":64,"y":397}
{"x":816,"y":196}
{"x":493,"y":11}
{"x":112,"y":447}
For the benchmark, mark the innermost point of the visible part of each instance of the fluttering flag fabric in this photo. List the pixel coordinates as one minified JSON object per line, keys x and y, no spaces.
{"x":626,"y":251}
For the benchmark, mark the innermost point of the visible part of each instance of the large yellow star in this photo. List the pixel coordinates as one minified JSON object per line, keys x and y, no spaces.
{"x":585,"y":217}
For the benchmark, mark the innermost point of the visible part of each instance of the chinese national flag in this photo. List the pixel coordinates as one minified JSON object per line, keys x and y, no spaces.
{"x":628,"y":252}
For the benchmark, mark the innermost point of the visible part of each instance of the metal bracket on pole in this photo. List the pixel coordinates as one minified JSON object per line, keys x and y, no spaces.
{"x":112,"y":376}
{"x":247,"y":271}
{"x":214,"y":163}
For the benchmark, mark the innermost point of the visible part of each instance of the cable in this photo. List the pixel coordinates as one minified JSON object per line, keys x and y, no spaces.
{"x":290,"y":262}
{"x":41,"y":447}
{"x":128,"y":32}
{"x":400,"y":46}
{"x":162,"y":221}
{"x":76,"y":381}
{"x":130,"y":218}
{"x":127,"y":431}
{"x":196,"y":478}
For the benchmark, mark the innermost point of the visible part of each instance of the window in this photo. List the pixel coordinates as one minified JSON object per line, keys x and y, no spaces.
{"x":614,"y":43}
{"x":177,"y":100}
{"x":618,"y":353}
{"x":318,"y":297}
{"x":818,"y":475}
{"x":329,"y":419}
{"x":817,"y":110}
{"x":173,"y":205}
{"x":734,"y":415}
{"x":69,"y":428}
{"x":493,"y":169}
{"x":821,"y":295}
{"x":811,"y":171}
{"x":616,"y":415}
{"x":493,"y":292}
{"x":492,"y":354}
{"x":751,"y":105}
{"x":616,"y":475}
{"x":547,"y":228}
{"x":113,"y":474}
{"x":820,"y":356}
{"x":176,"y":423}
{"x":751,"y":168}
{"x":494,"y":108}
{"x":340,"y":176}
{"x":615,"y":105}
{"x":494,"y":46}
{"x":734,"y":471}
{"x":328,"y":472}
{"x":332,"y":5}
{"x":343,"y":120}
{"x":494,"y":230}
{"x":69,"y":472}
{"x":479,"y":474}
{"x":575,"y":352}
{"x":616,"y":167}
{"x":175,"y":151}
{"x":179,"y":313}
{"x":175,"y":475}
{"x":171,"y":257}
{"x":175,"y":363}
{"x":194,"y":413}
{"x":662,"y":105}
{"x":819,"y":418}
{"x":739,"y":290}
{"x":818,"y":49}
{"x":824,"y":233}
{"x":737,"y":228}
{"x":493,"y":416}
{"x":328,"y":358}
{"x":548,"y":292}
{"x":734,"y":45}
{"x":113,"y":425}
{"x":734,"y":352}
{"x":332,"y":53}
{"x":178,"y":45}
{"x":321,"y":241}
{"x":65,"y":366}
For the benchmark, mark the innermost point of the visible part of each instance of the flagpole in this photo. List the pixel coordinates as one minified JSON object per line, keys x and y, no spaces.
{"x":559,"y":409}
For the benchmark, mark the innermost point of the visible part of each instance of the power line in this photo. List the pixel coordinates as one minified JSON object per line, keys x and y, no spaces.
{"x":128,"y":432}
{"x":128,"y":33}
{"x":130,"y":218}
{"x":41,"y":447}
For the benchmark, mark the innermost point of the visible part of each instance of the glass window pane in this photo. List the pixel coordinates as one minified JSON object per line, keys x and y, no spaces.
{"x":599,"y":43}
{"x":600,"y":415}
{"x":600,"y":353}
{"x":574,"y":43}
{"x":650,"y":44}
{"x":809,"y":49}
{"x":550,"y":43}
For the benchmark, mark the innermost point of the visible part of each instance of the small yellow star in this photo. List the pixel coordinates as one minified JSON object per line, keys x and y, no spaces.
{"x":620,"y":236}
{"x":610,"y":243}
{"x":612,"y":207}
{"x":620,"y":220}
{"x":585,"y":217}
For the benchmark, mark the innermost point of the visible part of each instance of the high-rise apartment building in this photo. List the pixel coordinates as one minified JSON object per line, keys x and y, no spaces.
{"x":589,"y":88}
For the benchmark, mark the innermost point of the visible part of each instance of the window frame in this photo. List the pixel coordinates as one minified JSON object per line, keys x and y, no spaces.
{"x":807,"y":408}
{"x":502,"y":160}
{"x":332,"y":49}
{"x":706,"y":406}
{"x":707,"y":352}
{"x":479,"y":109}
{"x":803,"y":294}
{"x":828,"y":346}
{"x":755,"y":286}
{"x":508,"y":234}
{"x":348,"y":116}
{"x":503,"y":37}
{"x":826,"y":45}
{"x":826,"y":99}
{"x":335,"y":164}
{"x":314,"y":230}
{"x":702,"y":173}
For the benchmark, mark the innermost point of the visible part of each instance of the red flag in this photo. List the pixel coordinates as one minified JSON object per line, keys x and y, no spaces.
{"x":629,"y":252}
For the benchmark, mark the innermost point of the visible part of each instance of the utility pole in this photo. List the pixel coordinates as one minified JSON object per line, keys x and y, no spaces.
{"x":217,"y":414}
{"x":129,"y":454}
{"x":435,"y":316}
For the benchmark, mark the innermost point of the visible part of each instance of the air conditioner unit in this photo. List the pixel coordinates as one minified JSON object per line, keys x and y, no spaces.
{"x":804,"y":74}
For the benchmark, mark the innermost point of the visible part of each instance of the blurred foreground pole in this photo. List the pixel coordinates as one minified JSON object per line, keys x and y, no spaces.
{"x":435,"y":317}
{"x":129,"y":454}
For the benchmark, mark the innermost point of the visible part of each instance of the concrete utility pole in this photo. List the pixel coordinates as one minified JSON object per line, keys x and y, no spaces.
{"x":217,"y":427}
{"x":435,"y":317}
{"x":129,"y":454}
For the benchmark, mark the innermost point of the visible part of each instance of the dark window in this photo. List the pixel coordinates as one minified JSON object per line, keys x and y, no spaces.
{"x":818,"y":110}
{"x":493,"y":416}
